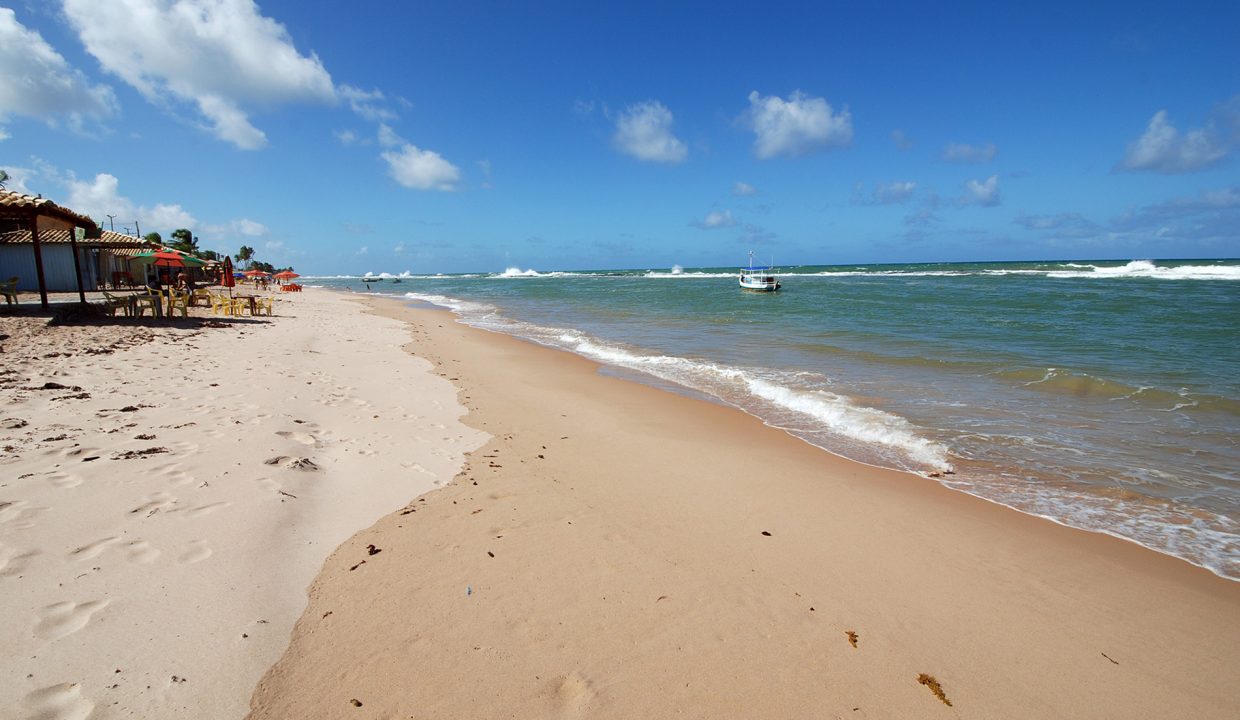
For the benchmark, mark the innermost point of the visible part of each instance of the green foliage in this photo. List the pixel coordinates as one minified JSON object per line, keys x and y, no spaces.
{"x":210,"y":255}
{"x":153,"y":237}
{"x":184,"y":240}
{"x":245,"y":253}
{"x":4,"y":177}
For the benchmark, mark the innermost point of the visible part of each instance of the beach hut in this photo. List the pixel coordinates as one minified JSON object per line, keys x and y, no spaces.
{"x":37,"y":215}
{"x":103,"y":260}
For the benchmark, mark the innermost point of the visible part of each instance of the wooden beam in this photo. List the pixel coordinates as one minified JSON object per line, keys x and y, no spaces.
{"x":33,"y":219}
{"x":77,"y":265}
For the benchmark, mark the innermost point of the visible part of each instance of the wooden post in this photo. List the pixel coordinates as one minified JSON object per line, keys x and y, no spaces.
{"x":38,"y":255}
{"x":77,"y":264}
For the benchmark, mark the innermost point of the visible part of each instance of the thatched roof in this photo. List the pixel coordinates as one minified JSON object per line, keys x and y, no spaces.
{"x":18,"y":205}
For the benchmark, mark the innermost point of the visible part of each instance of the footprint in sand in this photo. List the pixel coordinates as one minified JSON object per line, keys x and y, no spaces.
{"x":92,"y":550}
{"x":573,"y":695}
{"x":141,"y":552}
{"x":12,"y":562}
{"x":299,"y":437}
{"x":65,"y":618}
{"x":64,"y":479}
{"x":154,"y":503}
{"x":58,"y":702}
{"x":19,"y":514}
{"x":196,"y":551}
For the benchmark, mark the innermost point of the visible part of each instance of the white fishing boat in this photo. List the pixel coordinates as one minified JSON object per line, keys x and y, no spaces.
{"x":758,"y":278}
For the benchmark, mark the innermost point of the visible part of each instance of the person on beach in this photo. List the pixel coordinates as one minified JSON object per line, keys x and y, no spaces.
{"x":184,"y":284}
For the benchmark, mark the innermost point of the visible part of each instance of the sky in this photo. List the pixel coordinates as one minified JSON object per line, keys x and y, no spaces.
{"x":344,"y":138}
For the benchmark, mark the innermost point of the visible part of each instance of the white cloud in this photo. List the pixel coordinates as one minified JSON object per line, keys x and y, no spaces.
{"x":797,"y":125}
{"x":414,"y":167}
{"x":421,"y":169}
{"x":101,"y":197}
{"x":741,"y":189}
{"x":901,"y":140}
{"x":644,"y":131}
{"x":984,"y":193}
{"x":4,"y":135}
{"x":222,"y":55}
{"x":964,"y":153}
{"x":715,"y":219}
{"x":37,"y":82}
{"x":1162,"y":149}
{"x":229,"y":231}
{"x":346,"y":137}
{"x":388,"y":136}
{"x":367,"y":104}
{"x":894,"y":193}
{"x":249,"y":227}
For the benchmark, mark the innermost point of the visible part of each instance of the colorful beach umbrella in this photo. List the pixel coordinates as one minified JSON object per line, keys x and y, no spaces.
{"x":286,"y":275}
{"x":254,"y":273}
{"x":166,"y":258}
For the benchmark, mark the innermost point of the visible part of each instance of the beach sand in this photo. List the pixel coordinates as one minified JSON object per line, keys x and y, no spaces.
{"x":169,"y":490}
{"x":620,"y":551}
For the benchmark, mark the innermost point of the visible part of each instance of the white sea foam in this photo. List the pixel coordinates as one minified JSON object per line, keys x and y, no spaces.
{"x":682,"y":275}
{"x":1147,"y":269}
{"x":824,"y":411}
{"x":516,"y":272}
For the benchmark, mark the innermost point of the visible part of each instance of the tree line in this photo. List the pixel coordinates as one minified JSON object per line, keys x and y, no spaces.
{"x":185,"y":241}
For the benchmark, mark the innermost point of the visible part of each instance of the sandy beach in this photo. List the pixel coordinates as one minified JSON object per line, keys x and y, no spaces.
{"x":168,"y":491}
{"x":360,"y":509}
{"x":620,"y":551}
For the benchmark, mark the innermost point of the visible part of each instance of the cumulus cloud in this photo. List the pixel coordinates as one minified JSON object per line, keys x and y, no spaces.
{"x":741,"y":189}
{"x":421,"y":169}
{"x":982,"y":192}
{"x":644,"y":131}
{"x":416,"y":168}
{"x":715,"y":219}
{"x":796,"y":126}
{"x":101,"y":197}
{"x":221,"y":55}
{"x":1163,"y":149}
{"x":36,"y":81}
{"x":964,"y":153}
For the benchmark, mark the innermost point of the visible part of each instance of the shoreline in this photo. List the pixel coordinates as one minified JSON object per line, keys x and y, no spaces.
{"x":933,"y":581}
{"x":944,"y":479}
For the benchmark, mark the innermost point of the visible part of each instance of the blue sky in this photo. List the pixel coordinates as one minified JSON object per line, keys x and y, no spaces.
{"x":451,"y":137}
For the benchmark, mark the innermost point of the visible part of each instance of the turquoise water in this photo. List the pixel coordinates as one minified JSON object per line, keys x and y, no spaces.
{"x":1102,"y":395}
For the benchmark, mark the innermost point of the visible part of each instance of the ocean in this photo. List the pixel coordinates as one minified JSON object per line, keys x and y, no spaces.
{"x":1100,"y":395}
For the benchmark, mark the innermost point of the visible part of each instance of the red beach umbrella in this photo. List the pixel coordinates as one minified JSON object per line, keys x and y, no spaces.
{"x":286,"y":275}
{"x":254,"y":273}
{"x":228,"y":279}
